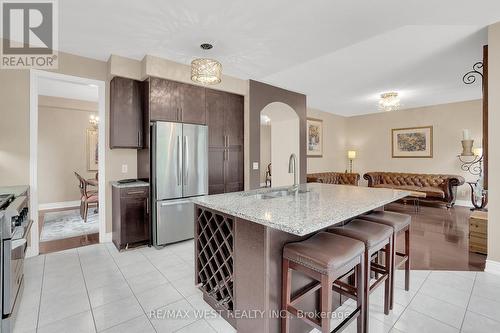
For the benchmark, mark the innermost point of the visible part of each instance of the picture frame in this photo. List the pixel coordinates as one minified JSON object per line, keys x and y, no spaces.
{"x":92,"y":149}
{"x":413,"y":142}
{"x":314,"y":137}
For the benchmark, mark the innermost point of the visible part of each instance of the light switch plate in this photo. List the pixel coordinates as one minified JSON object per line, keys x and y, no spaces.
{"x":124,"y":168}
{"x":256,"y":165}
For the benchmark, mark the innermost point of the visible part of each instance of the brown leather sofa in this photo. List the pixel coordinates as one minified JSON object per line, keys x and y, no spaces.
{"x":340,"y":178}
{"x":438,"y":188}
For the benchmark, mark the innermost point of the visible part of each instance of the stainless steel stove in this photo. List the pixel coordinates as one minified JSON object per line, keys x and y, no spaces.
{"x":5,"y":200}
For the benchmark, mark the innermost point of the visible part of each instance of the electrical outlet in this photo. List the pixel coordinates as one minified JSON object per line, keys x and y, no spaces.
{"x":124,"y":168}
{"x":256,"y":165}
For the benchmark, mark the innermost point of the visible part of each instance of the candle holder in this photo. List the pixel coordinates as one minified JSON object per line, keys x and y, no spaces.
{"x":467,"y":148}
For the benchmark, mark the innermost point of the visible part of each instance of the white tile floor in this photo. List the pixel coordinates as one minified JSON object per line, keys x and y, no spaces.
{"x":98,"y":289}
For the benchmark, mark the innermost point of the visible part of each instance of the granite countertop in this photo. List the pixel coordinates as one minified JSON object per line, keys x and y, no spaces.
{"x":323,"y":205}
{"x":16,"y":190}
{"x":137,"y":183}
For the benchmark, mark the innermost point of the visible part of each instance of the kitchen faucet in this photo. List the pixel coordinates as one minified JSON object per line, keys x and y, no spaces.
{"x":292,"y":168}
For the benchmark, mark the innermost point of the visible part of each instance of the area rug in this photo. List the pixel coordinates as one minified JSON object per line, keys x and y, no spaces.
{"x":68,"y":223}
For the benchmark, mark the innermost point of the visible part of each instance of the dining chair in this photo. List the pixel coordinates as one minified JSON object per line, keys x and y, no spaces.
{"x":87,"y":198}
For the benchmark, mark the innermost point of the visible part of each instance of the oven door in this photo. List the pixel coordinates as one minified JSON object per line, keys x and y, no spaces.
{"x":13,"y":257}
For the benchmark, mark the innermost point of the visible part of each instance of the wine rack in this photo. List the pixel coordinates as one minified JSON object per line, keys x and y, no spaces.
{"x":214,"y":250}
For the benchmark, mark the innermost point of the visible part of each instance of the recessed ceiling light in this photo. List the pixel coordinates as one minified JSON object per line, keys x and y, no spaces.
{"x":206,"y":46}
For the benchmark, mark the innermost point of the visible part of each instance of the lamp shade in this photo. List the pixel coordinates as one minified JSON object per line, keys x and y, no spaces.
{"x":351,"y":154}
{"x":206,"y":71}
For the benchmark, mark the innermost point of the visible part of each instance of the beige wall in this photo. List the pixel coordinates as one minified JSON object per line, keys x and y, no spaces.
{"x":14,"y":133}
{"x":494,"y":145}
{"x":373,"y":142}
{"x":62,"y":127}
{"x":334,"y":143}
{"x":370,"y":136}
{"x":265,"y":150}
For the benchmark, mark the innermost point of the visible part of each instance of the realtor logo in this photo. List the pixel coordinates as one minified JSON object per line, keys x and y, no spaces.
{"x":29,"y":32}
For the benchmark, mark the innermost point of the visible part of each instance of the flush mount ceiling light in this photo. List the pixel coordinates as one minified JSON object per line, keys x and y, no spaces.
{"x":389,"y":102}
{"x":205,"y":70}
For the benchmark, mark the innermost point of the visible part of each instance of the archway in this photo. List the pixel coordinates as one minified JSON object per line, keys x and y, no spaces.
{"x":283,"y":124}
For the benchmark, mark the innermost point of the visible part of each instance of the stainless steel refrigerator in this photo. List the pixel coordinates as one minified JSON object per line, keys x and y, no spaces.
{"x":180,"y":172}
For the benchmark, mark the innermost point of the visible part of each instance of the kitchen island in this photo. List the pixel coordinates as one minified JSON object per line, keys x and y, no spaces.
{"x":239,"y":239}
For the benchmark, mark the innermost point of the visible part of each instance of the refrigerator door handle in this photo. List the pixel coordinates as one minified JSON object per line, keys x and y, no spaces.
{"x":179,"y":161}
{"x":186,"y":161}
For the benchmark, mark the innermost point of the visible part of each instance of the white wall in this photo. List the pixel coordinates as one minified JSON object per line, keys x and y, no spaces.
{"x":265,"y":150}
{"x":494,"y":148}
{"x":285,"y":139}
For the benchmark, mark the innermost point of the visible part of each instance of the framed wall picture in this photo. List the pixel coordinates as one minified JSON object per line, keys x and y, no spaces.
{"x":314,"y":137}
{"x":413,"y":142}
{"x":92,"y":150}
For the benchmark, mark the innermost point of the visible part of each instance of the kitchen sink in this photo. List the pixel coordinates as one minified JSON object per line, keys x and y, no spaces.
{"x":280,"y":193}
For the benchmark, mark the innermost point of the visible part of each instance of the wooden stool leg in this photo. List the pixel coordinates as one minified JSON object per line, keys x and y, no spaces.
{"x":393,"y":264}
{"x":286,"y":289}
{"x":407,"y":263}
{"x":388,"y":267}
{"x":326,"y":303}
{"x":366,"y":291}
{"x":360,"y":287}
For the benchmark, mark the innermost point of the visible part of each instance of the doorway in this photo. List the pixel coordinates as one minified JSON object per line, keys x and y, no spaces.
{"x":67,"y":154}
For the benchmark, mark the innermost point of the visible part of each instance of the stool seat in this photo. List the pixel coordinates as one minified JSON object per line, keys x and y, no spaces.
{"x":370,"y":233}
{"x":398,"y":221}
{"x":324,"y":252}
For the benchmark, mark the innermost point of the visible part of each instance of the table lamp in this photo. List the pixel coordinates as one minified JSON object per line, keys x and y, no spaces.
{"x":351,"y":155}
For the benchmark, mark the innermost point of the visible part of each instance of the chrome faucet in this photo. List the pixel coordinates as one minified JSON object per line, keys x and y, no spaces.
{"x":292,"y":168}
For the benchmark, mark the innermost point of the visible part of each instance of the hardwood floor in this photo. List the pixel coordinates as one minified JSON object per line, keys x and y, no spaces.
{"x":439,"y":238}
{"x":66,"y":243}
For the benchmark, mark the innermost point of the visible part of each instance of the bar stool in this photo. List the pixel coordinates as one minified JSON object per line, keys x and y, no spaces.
{"x":326,"y":258}
{"x":400,"y":223}
{"x":376,"y":237}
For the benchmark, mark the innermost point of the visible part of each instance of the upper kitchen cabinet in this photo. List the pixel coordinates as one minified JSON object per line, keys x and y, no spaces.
{"x":234,"y":120}
{"x":216,"y":105}
{"x":193,"y":104}
{"x":175,"y":101}
{"x":225,"y":118}
{"x":164,"y":100}
{"x":126,"y":125}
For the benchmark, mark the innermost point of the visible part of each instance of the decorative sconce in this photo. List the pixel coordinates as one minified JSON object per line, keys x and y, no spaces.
{"x":351,"y":155}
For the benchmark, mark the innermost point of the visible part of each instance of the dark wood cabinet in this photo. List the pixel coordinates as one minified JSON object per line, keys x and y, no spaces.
{"x":193,"y":104}
{"x":175,"y":101}
{"x":164,"y":100}
{"x":131,"y":209}
{"x":225,"y":119}
{"x":126,"y":121}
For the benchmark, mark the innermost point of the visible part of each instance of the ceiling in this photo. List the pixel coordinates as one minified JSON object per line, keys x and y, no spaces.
{"x":342,"y":54}
{"x":64,"y":89}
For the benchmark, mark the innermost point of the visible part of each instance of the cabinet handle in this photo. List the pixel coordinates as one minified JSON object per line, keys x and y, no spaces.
{"x":147,"y":205}
{"x":139,"y":138}
{"x":135,"y":192}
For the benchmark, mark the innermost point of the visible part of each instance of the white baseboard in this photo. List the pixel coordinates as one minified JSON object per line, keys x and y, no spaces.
{"x":106,"y":238}
{"x":59,"y":205}
{"x":492,"y":267}
{"x":463,"y":203}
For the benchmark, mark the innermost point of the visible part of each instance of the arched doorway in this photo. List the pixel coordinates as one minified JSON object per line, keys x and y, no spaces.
{"x":280,"y":137}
